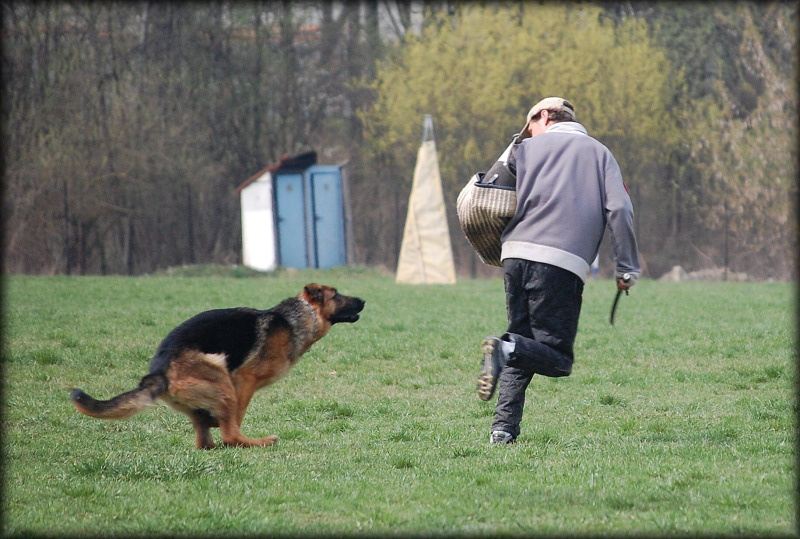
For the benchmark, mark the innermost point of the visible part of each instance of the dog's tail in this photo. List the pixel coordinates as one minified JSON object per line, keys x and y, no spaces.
{"x":125,"y":405}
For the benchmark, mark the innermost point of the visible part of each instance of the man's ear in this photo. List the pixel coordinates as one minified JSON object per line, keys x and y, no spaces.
{"x":546,"y":115}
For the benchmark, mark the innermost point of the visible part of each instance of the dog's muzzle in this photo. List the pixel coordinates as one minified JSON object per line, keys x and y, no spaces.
{"x":349,"y":311}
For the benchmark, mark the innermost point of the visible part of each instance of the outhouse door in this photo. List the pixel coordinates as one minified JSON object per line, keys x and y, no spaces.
{"x":291,"y":225}
{"x":310,"y":213}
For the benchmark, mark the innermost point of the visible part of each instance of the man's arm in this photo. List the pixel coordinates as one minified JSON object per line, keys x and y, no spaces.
{"x":619,"y":211}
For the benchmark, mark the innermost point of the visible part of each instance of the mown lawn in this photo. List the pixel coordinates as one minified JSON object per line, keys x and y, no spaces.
{"x":677,"y":420}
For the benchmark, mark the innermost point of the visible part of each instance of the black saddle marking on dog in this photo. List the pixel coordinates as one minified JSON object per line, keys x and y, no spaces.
{"x":232,"y":332}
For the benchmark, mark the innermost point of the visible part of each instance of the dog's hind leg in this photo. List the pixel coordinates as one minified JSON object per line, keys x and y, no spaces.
{"x":200,"y":384}
{"x":202,"y":423}
{"x":224,"y":411}
{"x":215,"y":405}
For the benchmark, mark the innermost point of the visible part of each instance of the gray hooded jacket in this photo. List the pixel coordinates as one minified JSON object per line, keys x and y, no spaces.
{"x":569,"y":188}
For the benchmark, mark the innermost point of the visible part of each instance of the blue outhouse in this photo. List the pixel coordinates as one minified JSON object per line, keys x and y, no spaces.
{"x":294,"y":215}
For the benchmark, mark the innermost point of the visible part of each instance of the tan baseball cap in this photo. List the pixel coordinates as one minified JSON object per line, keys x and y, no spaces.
{"x":551,"y":103}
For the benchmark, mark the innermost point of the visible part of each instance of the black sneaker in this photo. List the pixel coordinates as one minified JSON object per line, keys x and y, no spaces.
{"x":494,"y":359}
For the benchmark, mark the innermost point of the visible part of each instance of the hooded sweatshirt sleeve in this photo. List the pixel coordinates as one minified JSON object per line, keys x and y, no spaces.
{"x":619,"y":214}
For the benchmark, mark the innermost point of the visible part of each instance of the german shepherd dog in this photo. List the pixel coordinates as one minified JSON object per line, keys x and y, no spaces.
{"x":210,"y":366}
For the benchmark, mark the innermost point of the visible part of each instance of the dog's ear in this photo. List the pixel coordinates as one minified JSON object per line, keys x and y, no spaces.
{"x":314,"y":293}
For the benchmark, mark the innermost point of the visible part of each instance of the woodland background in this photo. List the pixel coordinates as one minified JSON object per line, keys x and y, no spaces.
{"x":127,"y":126}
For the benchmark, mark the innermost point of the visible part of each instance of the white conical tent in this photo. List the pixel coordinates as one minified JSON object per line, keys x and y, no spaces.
{"x":426,"y":255}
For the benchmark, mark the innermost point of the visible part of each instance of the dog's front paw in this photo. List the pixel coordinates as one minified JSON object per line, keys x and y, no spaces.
{"x":268,"y":440}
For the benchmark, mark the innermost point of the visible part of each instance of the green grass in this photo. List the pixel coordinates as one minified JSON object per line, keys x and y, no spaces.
{"x":677,"y":420}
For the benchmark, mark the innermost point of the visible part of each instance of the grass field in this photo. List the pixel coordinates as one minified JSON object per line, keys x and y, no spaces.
{"x":678,"y":420}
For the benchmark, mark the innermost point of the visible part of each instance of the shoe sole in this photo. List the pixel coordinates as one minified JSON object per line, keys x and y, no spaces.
{"x":487,"y":381}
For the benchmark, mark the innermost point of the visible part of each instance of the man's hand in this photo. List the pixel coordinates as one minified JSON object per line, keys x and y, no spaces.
{"x":625,"y":281}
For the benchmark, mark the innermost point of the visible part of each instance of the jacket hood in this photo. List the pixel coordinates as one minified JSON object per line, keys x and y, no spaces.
{"x":567,"y":127}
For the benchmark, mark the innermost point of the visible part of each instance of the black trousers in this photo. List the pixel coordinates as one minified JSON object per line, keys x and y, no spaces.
{"x":544,"y":305}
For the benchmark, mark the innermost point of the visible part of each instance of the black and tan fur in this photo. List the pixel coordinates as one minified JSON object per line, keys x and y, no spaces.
{"x":210,"y":366}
